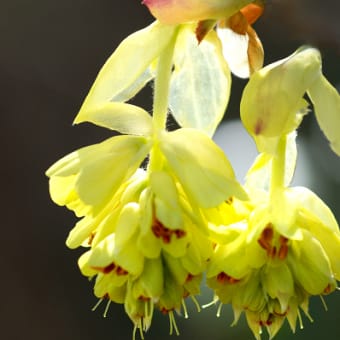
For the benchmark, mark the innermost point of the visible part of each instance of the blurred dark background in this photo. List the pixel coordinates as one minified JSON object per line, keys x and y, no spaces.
{"x":50,"y":53}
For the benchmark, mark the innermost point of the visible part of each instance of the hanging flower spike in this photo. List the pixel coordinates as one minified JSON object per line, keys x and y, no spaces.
{"x":286,"y":249}
{"x":242,"y":47}
{"x":181,"y":11}
{"x":272,"y":103}
{"x":147,"y":249}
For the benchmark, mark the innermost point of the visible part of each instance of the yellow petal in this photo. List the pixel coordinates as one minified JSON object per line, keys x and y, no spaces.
{"x":121,"y":117}
{"x":201,"y":167}
{"x":127,"y":224}
{"x":167,"y":207}
{"x":310,"y":265}
{"x":272,"y":103}
{"x":106,"y":165}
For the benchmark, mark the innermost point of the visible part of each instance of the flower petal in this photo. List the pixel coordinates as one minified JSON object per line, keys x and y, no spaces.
{"x":201,"y":167}
{"x":241,"y":46}
{"x":121,"y":117}
{"x":166,"y":201}
{"x":113,"y":161}
{"x":310,"y":264}
{"x":272,"y":103}
{"x":200,"y":84}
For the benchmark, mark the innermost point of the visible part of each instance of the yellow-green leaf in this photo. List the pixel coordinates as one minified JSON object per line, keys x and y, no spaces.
{"x":128,"y":65}
{"x":326,"y":100}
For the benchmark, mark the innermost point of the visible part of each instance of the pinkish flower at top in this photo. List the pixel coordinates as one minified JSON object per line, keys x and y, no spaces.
{"x":180,"y":11}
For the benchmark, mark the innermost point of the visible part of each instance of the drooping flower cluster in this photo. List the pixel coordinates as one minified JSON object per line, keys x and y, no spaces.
{"x":285,"y":242}
{"x":159,"y":208}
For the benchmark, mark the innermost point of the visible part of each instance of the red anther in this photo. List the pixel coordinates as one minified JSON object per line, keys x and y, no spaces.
{"x":223,"y":278}
{"x":270,"y":319}
{"x":165,"y":311}
{"x":189,"y":278}
{"x":283,"y":251}
{"x":160,"y":231}
{"x":109,"y":268}
{"x":105,"y":270}
{"x":90,"y":239}
{"x":120,"y":271}
{"x":328,"y":289}
{"x":144,"y":298}
{"x":179,"y":233}
{"x":266,"y":238}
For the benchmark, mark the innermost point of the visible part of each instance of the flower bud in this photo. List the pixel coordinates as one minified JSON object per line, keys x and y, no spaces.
{"x":180,"y":11}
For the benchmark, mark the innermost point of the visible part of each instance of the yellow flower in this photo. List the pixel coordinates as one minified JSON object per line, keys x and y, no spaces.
{"x":272,"y":104}
{"x":242,"y":48}
{"x":268,"y":262}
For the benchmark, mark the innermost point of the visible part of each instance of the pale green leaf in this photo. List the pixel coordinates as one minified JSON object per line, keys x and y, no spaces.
{"x":326,"y":100}
{"x":128,"y":66}
{"x":121,"y":117}
{"x":200,"y":84}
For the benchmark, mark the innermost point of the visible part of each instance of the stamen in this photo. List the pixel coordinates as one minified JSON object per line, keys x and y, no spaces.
{"x":323,"y":303}
{"x":97,"y":304}
{"x":266,"y":238}
{"x":185,"y":309}
{"x":107,"y":308}
{"x":309,"y":316}
{"x":196,"y":303}
{"x":140,"y":327}
{"x":213,"y":302}
{"x":134,"y":332}
{"x":219,"y":310}
{"x":172,"y":322}
{"x":283,"y":251}
{"x":300,"y":319}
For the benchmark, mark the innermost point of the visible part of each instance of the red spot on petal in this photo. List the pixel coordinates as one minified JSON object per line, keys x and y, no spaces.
{"x":259,"y":126}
